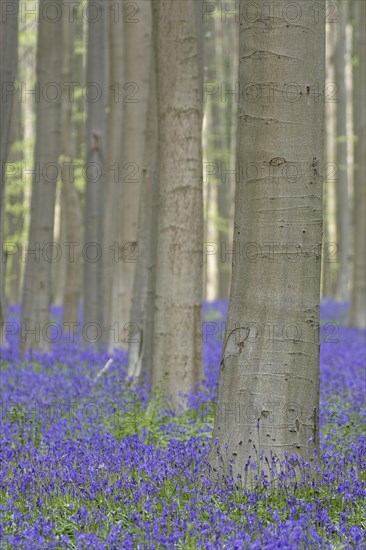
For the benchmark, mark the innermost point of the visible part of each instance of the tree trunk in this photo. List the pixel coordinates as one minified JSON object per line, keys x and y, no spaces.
{"x":342,"y":291}
{"x":147,"y":365}
{"x":37,"y":281}
{"x":358,"y":296}
{"x":140,"y":345}
{"x":15,"y":211}
{"x":268,"y":395}
{"x":8,"y":70}
{"x":59,"y":237}
{"x":94,"y":186}
{"x":210,"y":237}
{"x":177,"y":324}
{"x":218,"y":155}
{"x":114,"y":186}
{"x":70,"y":198}
{"x":330,"y":253}
{"x":137,"y":55}
{"x":226,"y":52}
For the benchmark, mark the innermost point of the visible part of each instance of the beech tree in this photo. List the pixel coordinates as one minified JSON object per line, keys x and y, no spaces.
{"x":8,"y":69}
{"x":343,"y":226}
{"x":114,"y":187}
{"x":15,"y":205}
{"x":177,"y":321}
{"x":70,"y":203}
{"x":327,"y":283}
{"x":37,"y":280}
{"x":268,"y":395}
{"x":95,"y":178}
{"x":142,"y":310}
{"x":137,"y":44}
{"x":358,"y":297}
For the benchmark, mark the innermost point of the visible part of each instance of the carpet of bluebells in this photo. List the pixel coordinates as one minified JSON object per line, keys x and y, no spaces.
{"x":101,"y":464}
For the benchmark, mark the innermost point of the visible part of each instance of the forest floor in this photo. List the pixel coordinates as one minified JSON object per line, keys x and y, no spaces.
{"x":104,"y":465}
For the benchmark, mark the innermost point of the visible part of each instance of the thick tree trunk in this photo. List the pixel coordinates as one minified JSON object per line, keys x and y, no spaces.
{"x":342,"y":286}
{"x":70,"y":199}
{"x":95,"y":178}
{"x":37,"y":281}
{"x":177,"y":324}
{"x":142,"y":314}
{"x":268,"y":396}
{"x":358,"y":297}
{"x":137,"y":43}
{"x":8,"y":70}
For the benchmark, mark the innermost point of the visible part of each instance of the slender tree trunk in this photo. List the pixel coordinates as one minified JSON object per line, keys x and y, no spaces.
{"x":225,"y":52}
{"x":37,"y":281}
{"x":147,"y":365}
{"x":114,"y":187}
{"x":231,"y":62}
{"x":59,"y":268}
{"x":95,"y":177}
{"x":177,"y":324}
{"x":358,"y":296}
{"x":140,"y":346}
{"x":268,"y":395}
{"x":70,"y":198}
{"x":210,"y":238}
{"x":329,"y":246}
{"x":79,"y":74}
{"x":15,"y":199}
{"x":137,"y":55}
{"x":342,"y":291}
{"x":216,"y":142}
{"x":8,"y":70}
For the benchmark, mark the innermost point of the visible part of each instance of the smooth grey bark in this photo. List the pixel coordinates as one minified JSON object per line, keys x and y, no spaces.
{"x":147,"y":348}
{"x":231,"y":70}
{"x":8,"y":69}
{"x":142,"y":313}
{"x":227,"y":53}
{"x":79,"y":74}
{"x":217,"y":153}
{"x":70,"y":203}
{"x":268,"y":395}
{"x":330,"y":253}
{"x":137,"y":44}
{"x":358,"y":295}
{"x":94,"y":184}
{"x":15,"y":200}
{"x":177,"y":325}
{"x":210,"y":262}
{"x":37,"y":280}
{"x":342,"y":216}
{"x":59,"y":236}
{"x":114,"y":185}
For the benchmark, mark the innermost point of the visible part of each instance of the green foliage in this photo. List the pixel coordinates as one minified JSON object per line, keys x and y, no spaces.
{"x":156,"y":423}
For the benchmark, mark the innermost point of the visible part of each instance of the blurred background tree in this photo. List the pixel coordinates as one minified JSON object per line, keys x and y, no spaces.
{"x":120,"y":53}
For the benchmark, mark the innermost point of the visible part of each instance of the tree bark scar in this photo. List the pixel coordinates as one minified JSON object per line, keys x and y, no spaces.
{"x":277,"y":161}
{"x":96,"y":141}
{"x":314,"y":167}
